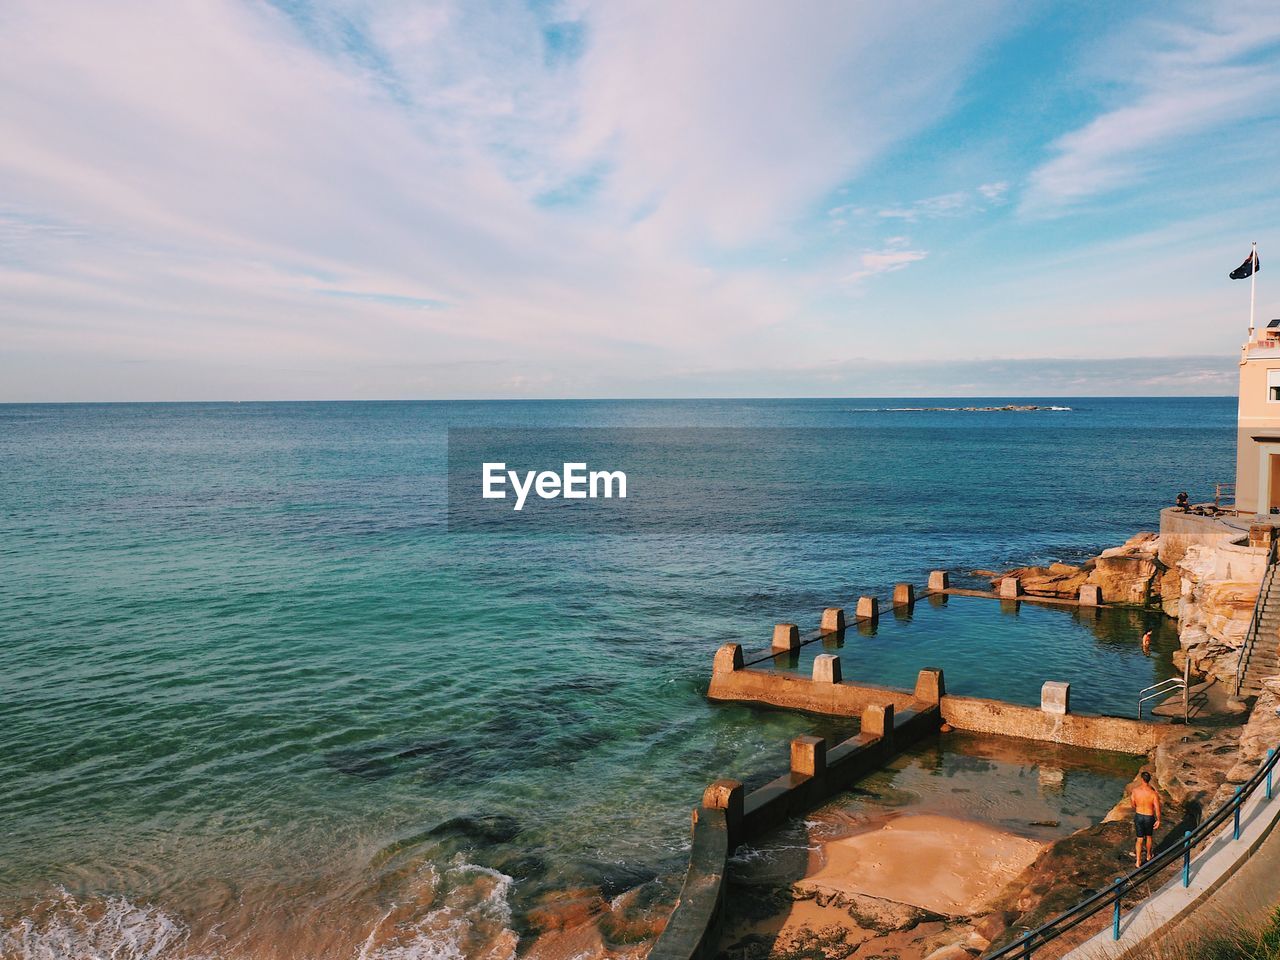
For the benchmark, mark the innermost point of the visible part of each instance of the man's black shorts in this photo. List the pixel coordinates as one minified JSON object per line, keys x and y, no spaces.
{"x":1144,"y":824}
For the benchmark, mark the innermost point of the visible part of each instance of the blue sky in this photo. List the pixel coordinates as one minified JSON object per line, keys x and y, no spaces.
{"x":244,"y":200}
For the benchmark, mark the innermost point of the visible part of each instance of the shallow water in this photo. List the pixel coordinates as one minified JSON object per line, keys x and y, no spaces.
{"x":1093,"y":649}
{"x":1034,"y":790}
{"x":249,"y":685}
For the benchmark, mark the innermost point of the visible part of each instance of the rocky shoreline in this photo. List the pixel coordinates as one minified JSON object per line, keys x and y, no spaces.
{"x":1209,"y":588}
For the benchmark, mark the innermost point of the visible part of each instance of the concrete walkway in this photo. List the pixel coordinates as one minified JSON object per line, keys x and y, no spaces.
{"x":1211,"y":870}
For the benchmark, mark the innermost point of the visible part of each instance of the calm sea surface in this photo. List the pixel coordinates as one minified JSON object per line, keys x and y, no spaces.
{"x":255,"y":700}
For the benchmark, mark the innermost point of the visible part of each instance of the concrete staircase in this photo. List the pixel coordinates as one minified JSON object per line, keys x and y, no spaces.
{"x":1260,"y":656}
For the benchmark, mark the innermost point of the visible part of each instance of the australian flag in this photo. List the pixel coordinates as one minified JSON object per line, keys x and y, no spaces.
{"x":1247,"y":268}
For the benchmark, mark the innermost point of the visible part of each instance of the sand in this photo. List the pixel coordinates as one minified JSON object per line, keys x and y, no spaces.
{"x":952,"y":867}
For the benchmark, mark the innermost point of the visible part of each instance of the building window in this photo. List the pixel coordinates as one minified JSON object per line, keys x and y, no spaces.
{"x":1273,"y":386}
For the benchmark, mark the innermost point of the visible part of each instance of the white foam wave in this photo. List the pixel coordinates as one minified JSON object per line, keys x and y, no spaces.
{"x":64,"y":928}
{"x":456,"y":929}
{"x":468,"y":915}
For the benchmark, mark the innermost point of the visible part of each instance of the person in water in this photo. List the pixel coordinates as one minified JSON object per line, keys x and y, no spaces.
{"x":1146,"y":644}
{"x":1146,"y":817}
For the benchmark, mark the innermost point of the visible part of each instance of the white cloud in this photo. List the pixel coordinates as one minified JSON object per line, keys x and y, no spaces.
{"x":722,"y":120}
{"x":889,"y":260}
{"x":994,"y":192}
{"x":1188,"y":81}
{"x":210,"y":198}
{"x":957,"y":203}
{"x":217,"y":170}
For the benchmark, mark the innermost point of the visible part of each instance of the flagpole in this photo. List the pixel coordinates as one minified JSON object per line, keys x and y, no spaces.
{"x":1253,"y":285}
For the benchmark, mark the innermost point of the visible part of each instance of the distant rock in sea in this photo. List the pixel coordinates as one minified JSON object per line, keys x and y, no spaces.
{"x":1006,"y":408}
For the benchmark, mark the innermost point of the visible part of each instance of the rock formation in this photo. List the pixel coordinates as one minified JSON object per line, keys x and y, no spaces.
{"x":1213,"y":611}
{"x":1130,"y":574}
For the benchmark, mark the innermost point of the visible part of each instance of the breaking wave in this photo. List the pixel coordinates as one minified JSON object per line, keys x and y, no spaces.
{"x":62,"y":927}
{"x":468,"y":915}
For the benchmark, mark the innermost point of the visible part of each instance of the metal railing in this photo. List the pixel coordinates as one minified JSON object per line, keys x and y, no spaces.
{"x":1255,"y":621}
{"x":1165,"y":687}
{"x":1113,"y":895}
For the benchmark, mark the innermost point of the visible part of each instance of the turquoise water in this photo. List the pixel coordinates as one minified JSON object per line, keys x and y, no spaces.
{"x":1094,"y":649}
{"x":255,"y":700}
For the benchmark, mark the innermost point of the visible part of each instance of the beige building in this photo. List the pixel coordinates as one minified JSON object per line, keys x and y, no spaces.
{"x":1258,"y":424}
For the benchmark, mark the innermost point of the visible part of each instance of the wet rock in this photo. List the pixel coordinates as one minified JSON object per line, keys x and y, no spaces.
{"x":952,"y":951}
{"x":521,"y":867}
{"x":1055,"y":580}
{"x":612,"y":878}
{"x":487,"y":828}
{"x":640,"y":914}
{"x":871,"y":913}
{"x":565,"y":910}
{"x":834,"y":942}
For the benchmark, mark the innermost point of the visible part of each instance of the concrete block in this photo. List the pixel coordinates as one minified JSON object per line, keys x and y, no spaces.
{"x":1055,"y":697}
{"x":1010,"y":588}
{"x":904,"y":595}
{"x":1090,"y":595}
{"x":728,"y":658}
{"x":877,"y":720}
{"x":826,"y":668}
{"x":727,"y":795}
{"x":868,"y":609}
{"x":809,"y":756}
{"x":939,"y":580}
{"x":832,"y":620}
{"x":786,"y":636}
{"x":930,"y":687}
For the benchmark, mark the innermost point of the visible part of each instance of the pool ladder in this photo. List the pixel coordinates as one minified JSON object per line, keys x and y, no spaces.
{"x":1166,"y":687}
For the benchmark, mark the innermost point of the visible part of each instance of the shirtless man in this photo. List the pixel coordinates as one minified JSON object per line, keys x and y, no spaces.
{"x":1146,"y":816}
{"x":1146,"y":643}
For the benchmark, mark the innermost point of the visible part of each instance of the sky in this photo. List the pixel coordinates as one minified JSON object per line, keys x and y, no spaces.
{"x":332,"y":199}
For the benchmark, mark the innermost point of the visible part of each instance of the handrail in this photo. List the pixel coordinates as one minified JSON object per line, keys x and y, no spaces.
{"x":1155,"y":686}
{"x":1255,"y":625}
{"x":1113,"y":894}
{"x":1178,"y":684}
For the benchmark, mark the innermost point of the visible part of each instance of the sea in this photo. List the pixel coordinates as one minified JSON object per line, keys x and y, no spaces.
{"x":258,"y":698}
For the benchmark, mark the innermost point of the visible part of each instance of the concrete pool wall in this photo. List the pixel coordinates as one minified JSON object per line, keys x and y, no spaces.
{"x":826,"y":692}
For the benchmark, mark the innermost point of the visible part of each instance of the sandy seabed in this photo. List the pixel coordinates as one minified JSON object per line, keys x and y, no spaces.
{"x":941,"y":864}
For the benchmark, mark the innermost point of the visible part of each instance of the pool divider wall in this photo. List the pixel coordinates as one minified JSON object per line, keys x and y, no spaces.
{"x":787,"y":638}
{"x":1052,"y":722}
